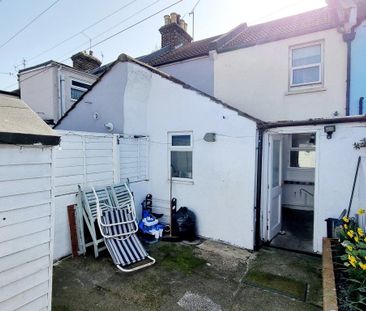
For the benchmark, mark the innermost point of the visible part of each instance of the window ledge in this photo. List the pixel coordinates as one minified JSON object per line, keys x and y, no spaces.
{"x":182,"y":181}
{"x":304,"y":91}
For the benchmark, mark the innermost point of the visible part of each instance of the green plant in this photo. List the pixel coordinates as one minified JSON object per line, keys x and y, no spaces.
{"x":353,"y":240}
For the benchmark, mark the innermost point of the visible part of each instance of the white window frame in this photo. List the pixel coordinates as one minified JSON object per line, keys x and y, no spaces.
{"x":179,"y":148}
{"x":77,"y":87}
{"x":320,"y":65}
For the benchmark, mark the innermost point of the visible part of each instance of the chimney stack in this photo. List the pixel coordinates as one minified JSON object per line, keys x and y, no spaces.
{"x":174,"y":31}
{"x":85,"y":61}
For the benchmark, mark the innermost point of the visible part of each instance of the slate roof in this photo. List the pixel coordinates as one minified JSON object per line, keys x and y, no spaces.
{"x":287,"y":27}
{"x":244,"y":36}
{"x":187,"y":51}
{"x":21,"y":125}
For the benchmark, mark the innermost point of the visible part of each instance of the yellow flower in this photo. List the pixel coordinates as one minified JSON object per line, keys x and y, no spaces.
{"x":356,"y":239}
{"x":349,"y":247}
{"x":352,"y":258}
{"x":360,"y":231}
{"x":345,"y":219}
{"x":353,"y":264}
{"x":361,"y":211}
{"x":345,"y":226}
{"x":350,"y":233}
{"x":362,"y":265}
{"x":364,"y":240}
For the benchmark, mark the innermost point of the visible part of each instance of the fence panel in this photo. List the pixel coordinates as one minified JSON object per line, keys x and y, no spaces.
{"x":93,"y":159}
{"x":134,"y":157}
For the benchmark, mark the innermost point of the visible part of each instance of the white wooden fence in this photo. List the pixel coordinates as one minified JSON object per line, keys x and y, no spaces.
{"x":92,"y":159}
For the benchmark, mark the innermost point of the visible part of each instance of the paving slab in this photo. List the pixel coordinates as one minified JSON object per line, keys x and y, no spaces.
{"x":209,"y":276}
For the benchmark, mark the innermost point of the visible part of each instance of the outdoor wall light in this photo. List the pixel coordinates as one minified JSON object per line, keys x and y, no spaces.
{"x":210,"y":137}
{"x":329,"y":129}
{"x":109,"y":126}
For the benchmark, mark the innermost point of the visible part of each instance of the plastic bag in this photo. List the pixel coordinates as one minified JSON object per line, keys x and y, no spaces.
{"x":184,"y":224}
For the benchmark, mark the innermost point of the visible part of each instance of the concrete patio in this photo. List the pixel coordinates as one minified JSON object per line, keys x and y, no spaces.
{"x":210,"y":276}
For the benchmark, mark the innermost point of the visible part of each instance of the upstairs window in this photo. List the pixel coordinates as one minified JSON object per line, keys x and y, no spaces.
{"x":306,"y":65}
{"x":78,"y":89}
{"x":180,"y":149}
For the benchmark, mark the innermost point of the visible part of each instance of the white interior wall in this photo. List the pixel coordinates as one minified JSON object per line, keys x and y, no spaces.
{"x":292,"y":196}
{"x":26,"y":227}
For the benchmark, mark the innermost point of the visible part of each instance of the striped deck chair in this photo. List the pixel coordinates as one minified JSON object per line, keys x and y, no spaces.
{"x":122,"y":197}
{"x":120,"y":239}
{"x":89,"y":198}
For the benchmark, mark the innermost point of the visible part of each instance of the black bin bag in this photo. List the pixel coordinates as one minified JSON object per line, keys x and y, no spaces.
{"x":184,"y":224}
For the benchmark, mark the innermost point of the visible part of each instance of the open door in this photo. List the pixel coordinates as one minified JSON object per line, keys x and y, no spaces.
{"x":274,"y":186}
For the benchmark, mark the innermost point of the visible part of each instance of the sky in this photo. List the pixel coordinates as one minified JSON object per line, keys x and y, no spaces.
{"x":70,"y":26}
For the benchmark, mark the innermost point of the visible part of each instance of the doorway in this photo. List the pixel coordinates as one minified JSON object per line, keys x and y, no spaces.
{"x":289,"y":165}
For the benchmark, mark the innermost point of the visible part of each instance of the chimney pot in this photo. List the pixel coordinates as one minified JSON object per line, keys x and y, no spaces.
{"x":166,"y":19}
{"x":181,"y":23}
{"x":173,"y":18}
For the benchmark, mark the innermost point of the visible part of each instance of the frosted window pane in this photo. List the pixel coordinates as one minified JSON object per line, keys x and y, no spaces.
{"x":306,"y":56}
{"x":276,"y":163}
{"x":306,"y":75}
{"x":302,"y":159}
{"x":181,"y":140}
{"x":181,"y":162}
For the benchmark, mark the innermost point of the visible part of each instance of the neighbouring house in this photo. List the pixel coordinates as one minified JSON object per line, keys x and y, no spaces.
{"x":241,"y":65}
{"x":51,"y":88}
{"x":246,"y":180}
{"x":358,"y":63}
{"x":26,"y":207}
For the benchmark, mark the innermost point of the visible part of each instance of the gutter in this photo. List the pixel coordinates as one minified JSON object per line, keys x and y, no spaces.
{"x":353,"y":119}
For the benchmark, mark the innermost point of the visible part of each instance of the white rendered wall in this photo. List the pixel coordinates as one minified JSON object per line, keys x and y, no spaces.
{"x":222,"y":191}
{"x":26,"y":228}
{"x":103,"y":105}
{"x":144,"y":103}
{"x":256,"y":79}
{"x":38,"y":89}
{"x":45,"y":89}
{"x":198,"y":72}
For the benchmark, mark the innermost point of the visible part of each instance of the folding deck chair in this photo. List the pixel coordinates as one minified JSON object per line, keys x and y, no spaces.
{"x":118,"y":231}
{"x":88,"y":199}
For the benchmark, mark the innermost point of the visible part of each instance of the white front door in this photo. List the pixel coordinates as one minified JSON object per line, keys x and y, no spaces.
{"x":274,"y":186}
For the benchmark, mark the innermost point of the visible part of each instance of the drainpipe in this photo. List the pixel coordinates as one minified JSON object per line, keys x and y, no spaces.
{"x":348,"y":39}
{"x":60,"y":94}
{"x":360,"y":105}
{"x":258,"y":241}
{"x":348,"y":36}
